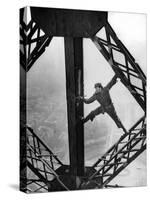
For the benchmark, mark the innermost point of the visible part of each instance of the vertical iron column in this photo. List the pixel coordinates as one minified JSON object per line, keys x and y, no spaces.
{"x":74,"y":88}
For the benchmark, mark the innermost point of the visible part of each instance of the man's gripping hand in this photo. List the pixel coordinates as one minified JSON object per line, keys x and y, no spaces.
{"x":79,"y":99}
{"x":116,"y":78}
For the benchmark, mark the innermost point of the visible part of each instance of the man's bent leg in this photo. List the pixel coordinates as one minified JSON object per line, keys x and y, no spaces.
{"x":93,"y":114}
{"x":112,"y":113}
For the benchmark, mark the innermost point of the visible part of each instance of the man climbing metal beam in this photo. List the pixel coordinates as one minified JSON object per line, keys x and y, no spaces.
{"x":102,"y":95}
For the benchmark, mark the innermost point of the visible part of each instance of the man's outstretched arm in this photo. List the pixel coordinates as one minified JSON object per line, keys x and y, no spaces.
{"x":112,"y":82}
{"x":89,"y":100}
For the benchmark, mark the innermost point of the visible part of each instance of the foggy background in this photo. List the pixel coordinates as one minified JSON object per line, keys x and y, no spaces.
{"x":46,"y":97}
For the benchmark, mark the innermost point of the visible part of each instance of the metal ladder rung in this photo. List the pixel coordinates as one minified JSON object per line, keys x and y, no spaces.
{"x":137,"y":88}
{"x":122,"y":142}
{"x":133,"y":133}
{"x":125,"y":67}
{"x":137,"y":129}
{"x":127,"y":151}
{"x":141,"y":137}
{"x":111,"y":164}
{"x":102,"y":175}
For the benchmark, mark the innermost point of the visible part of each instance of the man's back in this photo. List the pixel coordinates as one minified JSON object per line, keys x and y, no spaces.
{"x":103,"y":97}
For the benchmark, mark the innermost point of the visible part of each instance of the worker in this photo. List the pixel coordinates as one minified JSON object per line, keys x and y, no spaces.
{"x":102,"y":95}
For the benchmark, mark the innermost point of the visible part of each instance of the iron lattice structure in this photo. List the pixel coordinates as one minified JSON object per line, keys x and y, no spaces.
{"x":122,"y":63}
{"x":38,"y":163}
{"x":33,"y":42}
{"x":41,"y":165}
{"x":133,"y":143}
{"x":119,"y":156}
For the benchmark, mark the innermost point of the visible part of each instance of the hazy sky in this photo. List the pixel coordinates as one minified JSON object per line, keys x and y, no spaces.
{"x":131,"y":29}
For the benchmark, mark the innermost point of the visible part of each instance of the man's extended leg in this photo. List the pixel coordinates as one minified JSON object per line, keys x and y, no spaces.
{"x":93,"y":114}
{"x":112,"y":113}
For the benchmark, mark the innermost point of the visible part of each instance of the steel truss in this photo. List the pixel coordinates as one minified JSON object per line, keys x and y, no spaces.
{"x":41,"y":165}
{"x":33,"y":42}
{"x":133,"y":143}
{"x":119,"y":156}
{"x":123,"y":64}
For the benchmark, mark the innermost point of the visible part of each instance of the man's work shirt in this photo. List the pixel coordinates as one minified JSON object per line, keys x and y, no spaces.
{"x":103,"y":97}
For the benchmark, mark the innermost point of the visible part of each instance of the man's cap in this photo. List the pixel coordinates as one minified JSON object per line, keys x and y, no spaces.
{"x":98,"y":85}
